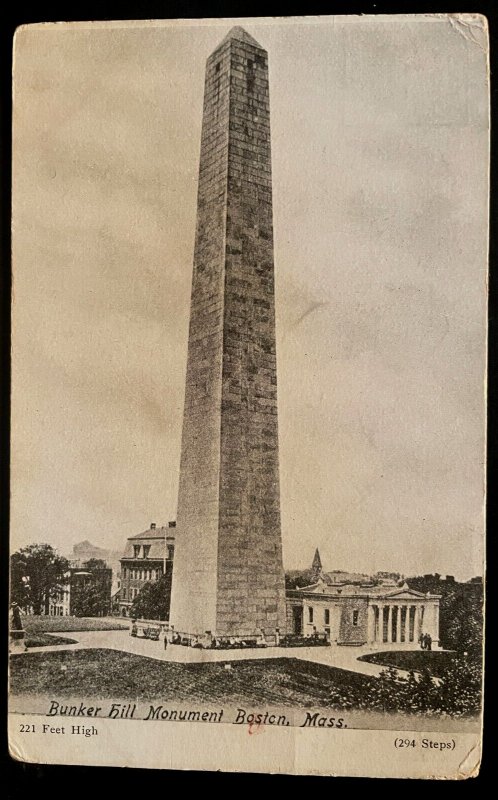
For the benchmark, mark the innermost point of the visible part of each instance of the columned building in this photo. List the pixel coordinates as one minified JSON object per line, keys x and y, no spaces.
{"x":368,"y":614}
{"x":147,"y":557}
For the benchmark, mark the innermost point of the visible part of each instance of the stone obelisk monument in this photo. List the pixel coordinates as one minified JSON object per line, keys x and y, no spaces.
{"x":228,"y":576}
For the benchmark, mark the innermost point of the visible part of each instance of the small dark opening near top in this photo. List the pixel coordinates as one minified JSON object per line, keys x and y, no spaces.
{"x":250,"y":63}
{"x":217,"y":68}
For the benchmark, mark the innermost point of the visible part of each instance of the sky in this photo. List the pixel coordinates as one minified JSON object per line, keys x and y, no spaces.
{"x":380,"y":180}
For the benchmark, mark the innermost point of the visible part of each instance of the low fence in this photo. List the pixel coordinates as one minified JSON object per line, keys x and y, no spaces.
{"x":156,"y":630}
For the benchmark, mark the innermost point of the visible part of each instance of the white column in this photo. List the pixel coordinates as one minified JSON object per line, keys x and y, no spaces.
{"x":418,"y":623}
{"x":398,"y":620}
{"x":411,"y":637}
{"x":370,"y":623}
{"x":390,"y":623}
{"x":404,"y":624}
{"x":436,"y":622}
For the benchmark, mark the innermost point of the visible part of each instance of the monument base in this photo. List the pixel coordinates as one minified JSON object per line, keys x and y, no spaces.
{"x":213,"y":641}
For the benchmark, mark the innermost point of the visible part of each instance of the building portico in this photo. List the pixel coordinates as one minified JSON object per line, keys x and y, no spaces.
{"x":403,"y":620}
{"x":378,"y":615}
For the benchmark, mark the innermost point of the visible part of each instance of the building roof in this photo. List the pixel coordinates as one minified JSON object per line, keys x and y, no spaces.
{"x":158,"y":550}
{"x":156,"y":537}
{"x":339,"y":576}
{"x":322,"y":589}
{"x":316,"y":566}
{"x":154,"y":533}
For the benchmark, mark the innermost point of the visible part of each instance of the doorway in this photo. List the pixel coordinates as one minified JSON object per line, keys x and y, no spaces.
{"x":297,"y":616}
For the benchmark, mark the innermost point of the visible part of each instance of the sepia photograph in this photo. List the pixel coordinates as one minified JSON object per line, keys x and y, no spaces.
{"x":249,"y":299}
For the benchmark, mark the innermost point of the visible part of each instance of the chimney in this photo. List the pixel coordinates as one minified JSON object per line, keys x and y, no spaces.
{"x":153,"y":526}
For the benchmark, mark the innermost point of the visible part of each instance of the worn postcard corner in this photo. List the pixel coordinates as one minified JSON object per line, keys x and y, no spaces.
{"x":248,"y":394}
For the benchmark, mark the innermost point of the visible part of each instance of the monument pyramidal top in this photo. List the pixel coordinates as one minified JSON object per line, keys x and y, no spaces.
{"x":241,"y":35}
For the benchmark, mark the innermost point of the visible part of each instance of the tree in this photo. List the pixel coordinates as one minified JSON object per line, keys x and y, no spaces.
{"x":91,"y":589}
{"x":153,"y":600}
{"x":461,"y":611}
{"x":296,"y":578}
{"x":463,"y":622}
{"x":37,"y":573}
{"x":89,"y":600}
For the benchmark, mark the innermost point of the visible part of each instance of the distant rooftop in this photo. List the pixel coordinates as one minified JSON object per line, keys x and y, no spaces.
{"x":156,"y":533}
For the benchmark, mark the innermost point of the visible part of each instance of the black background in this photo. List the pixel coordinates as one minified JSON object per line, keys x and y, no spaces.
{"x":25,"y":780}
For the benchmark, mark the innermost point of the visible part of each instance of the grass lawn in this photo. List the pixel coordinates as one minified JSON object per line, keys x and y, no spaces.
{"x":436,"y":662}
{"x":40,"y":624}
{"x":42,"y":639}
{"x":99,"y":673}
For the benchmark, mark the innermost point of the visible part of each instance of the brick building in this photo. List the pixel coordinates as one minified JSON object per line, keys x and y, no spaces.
{"x":147,"y":557}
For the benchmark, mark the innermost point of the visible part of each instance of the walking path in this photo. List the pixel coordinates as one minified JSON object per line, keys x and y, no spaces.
{"x":333,"y":656}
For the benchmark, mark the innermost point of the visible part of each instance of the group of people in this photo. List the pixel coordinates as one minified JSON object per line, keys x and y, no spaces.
{"x":425,"y":641}
{"x":160,"y":633}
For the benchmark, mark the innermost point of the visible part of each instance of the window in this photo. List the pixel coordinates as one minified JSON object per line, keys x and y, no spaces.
{"x":327,"y":616}
{"x":310,"y":614}
{"x":250,"y":75}
{"x":124,"y":594}
{"x":217,"y":67}
{"x":124,"y":572}
{"x":136,"y":550}
{"x":355,"y":617}
{"x":171,"y":551}
{"x":146,"y":550}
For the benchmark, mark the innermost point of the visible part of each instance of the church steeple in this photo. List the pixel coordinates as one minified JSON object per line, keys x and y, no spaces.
{"x":316,"y":566}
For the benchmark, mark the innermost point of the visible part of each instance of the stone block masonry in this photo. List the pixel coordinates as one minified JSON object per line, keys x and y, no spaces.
{"x":228,"y":574}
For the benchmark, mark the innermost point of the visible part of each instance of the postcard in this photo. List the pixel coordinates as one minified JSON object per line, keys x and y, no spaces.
{"x":250,"y":264}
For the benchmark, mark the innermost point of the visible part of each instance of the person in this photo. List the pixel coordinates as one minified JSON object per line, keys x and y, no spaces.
{"x":421,"y":640}
{"x":428,"y":640}
{"x":165,"y":638}
{"x":16,"y":618}
{"x":134,"y":628}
